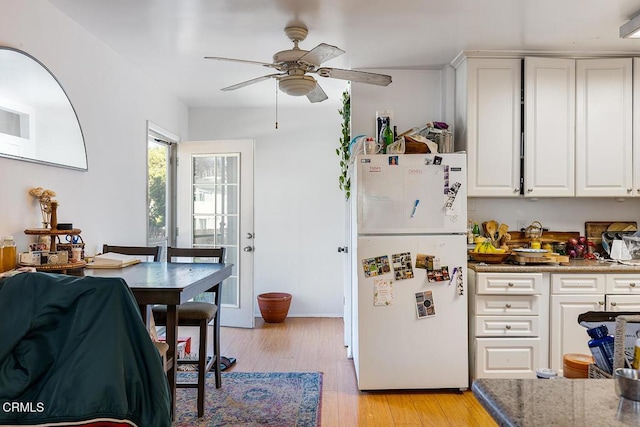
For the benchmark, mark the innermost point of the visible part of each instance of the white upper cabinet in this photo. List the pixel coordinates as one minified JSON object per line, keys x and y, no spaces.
{"x":549,"y":139}
{"x":488,"y":117}
{"x":604,"y":152}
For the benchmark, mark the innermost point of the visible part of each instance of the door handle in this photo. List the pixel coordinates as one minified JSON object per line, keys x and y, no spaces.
{"x":250,"y":235}
{"x":343,"y":249}
{"x":248,"y":249}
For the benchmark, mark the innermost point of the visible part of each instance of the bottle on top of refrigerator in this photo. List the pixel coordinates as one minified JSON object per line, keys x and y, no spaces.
{"x":386,"y":135}
{"x":9,"y":254}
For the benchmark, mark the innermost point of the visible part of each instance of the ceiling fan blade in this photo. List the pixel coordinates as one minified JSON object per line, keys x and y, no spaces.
{"x":317,"y":94}
{"x":321,"y":53}
{"x":355,"y":76}
{"x":219,"y":58}
{"x":250,"y":82}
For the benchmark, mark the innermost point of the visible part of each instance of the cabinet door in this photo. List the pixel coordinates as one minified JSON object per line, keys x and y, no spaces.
{"x":636,"y":125}
{"x":549,"y":138}
{"x":507,"y":357}
{"x":623,"y":303}
{"x":604,"y":127}
{"x":493,"y":129}
{"x":567,"y":336}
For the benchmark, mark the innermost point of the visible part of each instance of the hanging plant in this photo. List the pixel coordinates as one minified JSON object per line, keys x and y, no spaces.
{"x":344,"y":182}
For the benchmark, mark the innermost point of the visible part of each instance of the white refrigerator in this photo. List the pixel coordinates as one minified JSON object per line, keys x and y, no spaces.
{"x":409,"y":269}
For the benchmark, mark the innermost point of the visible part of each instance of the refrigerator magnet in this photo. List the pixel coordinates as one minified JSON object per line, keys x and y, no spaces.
{"x":382,"y":292}
{"x":424,"y":261}
{"x":425,"y":305}
{"x":376,"y":266}
{"x":402,"y":266}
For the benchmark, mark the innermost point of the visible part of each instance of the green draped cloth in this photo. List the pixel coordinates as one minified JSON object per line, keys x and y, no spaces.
{"x":75,"y":349}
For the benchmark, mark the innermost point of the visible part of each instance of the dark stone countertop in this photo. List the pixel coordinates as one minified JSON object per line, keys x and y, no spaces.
{"x":555,"y":402}
{"x":575,"y":266}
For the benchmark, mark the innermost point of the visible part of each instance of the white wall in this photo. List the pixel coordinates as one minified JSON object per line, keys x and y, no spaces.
{"x":299,"y":209}
{"x":113,"y":101}
{"x":415,"y":97}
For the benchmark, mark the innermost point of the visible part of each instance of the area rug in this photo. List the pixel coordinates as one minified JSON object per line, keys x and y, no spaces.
{"x":279,"y":399}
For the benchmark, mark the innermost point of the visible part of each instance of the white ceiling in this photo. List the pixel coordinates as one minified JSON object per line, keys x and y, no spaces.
{"x":168,"y":39}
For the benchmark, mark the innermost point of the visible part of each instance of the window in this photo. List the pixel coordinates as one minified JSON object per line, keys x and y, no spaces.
{"x":161,"y":172}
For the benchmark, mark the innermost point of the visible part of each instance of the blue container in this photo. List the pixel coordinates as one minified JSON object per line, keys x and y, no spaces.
{"x":601,"y":346}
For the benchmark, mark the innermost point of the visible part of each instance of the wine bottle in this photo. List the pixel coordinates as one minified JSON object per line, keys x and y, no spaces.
{"x":386,"y":135}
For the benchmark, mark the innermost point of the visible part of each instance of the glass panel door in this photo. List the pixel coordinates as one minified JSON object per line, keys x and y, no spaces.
{"x":216,"y":206}
{"x":215,"y":209}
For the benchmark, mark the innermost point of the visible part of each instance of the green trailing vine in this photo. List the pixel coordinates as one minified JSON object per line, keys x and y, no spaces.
{"x":344,"y":182}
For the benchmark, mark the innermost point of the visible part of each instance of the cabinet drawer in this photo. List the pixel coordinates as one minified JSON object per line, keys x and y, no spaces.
{"x":578,"y":283}
{"x":503,"y":283}
{"x":623,"y":303}
{"x":507,"y":304}
{"x":507,"y":326}
{"x":507,"y":357}
{"x":623,"y":284}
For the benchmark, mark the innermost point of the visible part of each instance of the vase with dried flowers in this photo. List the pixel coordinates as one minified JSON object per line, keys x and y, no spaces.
{"x":45,"y":198}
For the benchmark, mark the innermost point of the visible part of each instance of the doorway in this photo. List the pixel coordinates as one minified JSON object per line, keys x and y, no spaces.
{"x":215,"y":209}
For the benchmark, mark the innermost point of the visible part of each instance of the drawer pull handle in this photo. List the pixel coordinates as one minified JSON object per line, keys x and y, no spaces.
{"x":508,"y":326}
{"x":600,"y":302}
{"x":508,"y":305}
{"x":632,"y":284}
{"x":613,"y":304}
{"x":510,"y":284}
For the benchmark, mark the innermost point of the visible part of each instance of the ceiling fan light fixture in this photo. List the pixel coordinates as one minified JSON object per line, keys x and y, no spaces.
{"x":631,"y":29}
{"x":297,"y":85}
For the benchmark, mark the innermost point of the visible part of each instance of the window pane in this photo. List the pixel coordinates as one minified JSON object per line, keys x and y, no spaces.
{"x":157,"y":167}
{"x":215,"y":199}
{"x":221,"y":168}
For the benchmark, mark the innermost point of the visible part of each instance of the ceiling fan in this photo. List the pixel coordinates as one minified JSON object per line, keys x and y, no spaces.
{"x":295,"y":64}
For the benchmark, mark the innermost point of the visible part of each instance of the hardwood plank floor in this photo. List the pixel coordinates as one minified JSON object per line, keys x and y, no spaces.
{"x":317,"y":344}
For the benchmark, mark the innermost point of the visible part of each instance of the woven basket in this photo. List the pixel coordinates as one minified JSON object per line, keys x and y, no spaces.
{"x":66,"y":246}
{"x":619,"y":358}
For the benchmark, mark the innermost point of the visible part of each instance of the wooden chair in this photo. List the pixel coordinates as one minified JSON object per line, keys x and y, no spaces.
{"x":150,"y":251}
{"x":198,"y":314}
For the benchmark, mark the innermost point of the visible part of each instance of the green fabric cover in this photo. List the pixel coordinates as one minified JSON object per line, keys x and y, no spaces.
{"x":75,"y":348}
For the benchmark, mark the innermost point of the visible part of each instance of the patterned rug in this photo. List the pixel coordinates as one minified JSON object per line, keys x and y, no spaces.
{"x":279,"y":399}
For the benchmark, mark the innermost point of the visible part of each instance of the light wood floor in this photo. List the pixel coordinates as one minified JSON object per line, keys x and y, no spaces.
{"x":316,"y":344}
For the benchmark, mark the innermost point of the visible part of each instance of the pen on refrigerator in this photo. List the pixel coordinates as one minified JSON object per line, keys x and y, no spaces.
{"x":415,"y":206}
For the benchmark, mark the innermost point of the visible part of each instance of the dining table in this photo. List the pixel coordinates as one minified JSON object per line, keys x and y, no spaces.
{"x":169,"y":284}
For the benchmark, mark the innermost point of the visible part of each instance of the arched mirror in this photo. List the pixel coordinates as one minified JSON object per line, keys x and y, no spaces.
{"x":37,"y":121}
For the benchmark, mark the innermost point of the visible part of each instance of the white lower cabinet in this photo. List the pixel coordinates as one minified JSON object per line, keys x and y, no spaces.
{"x":523,"y":321}
{"x":509,"y":324}
{"x":574,"y":294}
{"x":567,"y":336}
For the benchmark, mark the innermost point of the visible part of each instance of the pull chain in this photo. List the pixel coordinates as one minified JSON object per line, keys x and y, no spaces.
{"x":276,"y":104}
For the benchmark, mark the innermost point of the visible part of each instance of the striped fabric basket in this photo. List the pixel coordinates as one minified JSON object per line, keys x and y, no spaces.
{"x":620,"y":360}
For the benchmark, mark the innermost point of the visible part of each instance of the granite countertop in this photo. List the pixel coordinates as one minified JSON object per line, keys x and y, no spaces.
{"x":555,"y":402}
{"x":575,"y":266}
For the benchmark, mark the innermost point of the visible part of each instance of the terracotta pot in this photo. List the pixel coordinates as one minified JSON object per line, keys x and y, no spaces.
{"x":274,"y":306}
